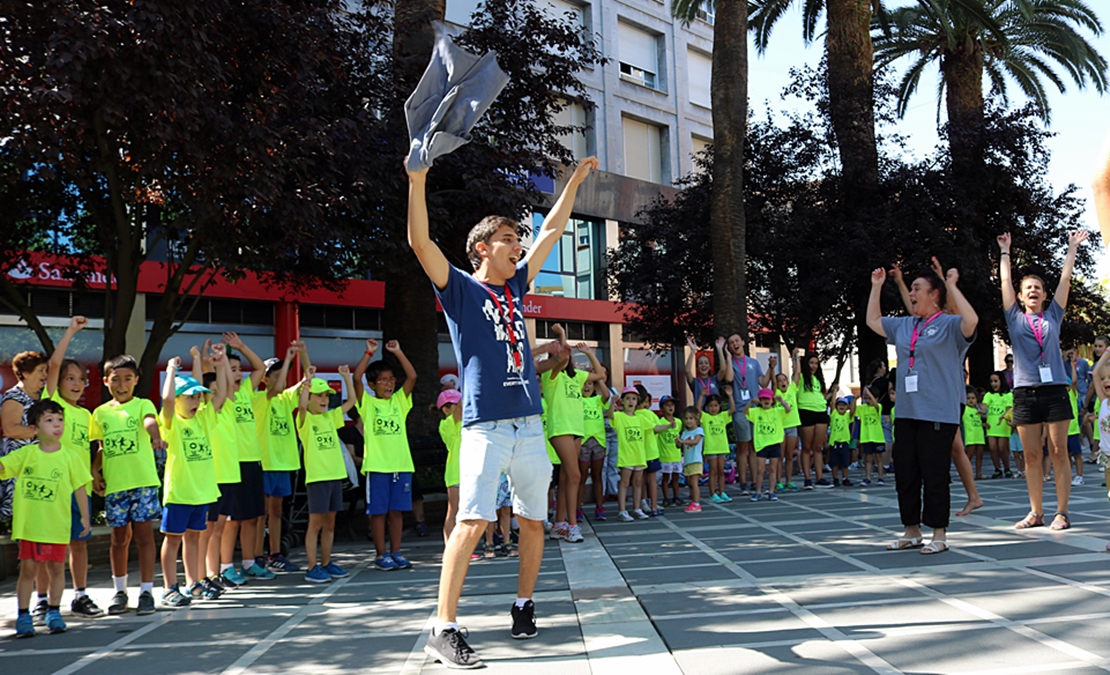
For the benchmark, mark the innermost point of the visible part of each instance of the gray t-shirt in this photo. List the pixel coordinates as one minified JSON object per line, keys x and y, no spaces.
{"x":938,"y":365}
{"x":746,"y":372}
{"x":709,"y":383}
{"x":1027,"y":352}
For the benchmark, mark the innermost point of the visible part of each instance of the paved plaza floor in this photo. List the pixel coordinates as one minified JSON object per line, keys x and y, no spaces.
{"x":802,"y":585}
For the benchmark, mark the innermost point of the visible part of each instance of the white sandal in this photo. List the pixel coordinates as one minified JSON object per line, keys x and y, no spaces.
{"x":935,"y":546}
{"x":906,"y":543}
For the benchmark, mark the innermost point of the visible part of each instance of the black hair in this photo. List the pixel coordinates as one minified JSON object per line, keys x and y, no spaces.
{"x":40,"y":408}
{"x":122,"y":361}
{"x":235,"y":357}
{"x":375,"y":371}
{"x":714,"y":397}
{"x":483,"y":232}
{"x":208,"y":379}
{"x":808,"y":377}
{"x":644,"y":394}
{"x":874,"y":366}
{"x":1005,"y":386}
{"x":936,"y":284}
{"x":970,"y":389}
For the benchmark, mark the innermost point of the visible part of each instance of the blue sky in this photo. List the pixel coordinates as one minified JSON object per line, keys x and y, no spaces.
{"x":1080,"y":118}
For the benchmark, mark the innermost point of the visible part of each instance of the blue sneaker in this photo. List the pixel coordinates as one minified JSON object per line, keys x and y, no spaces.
{"x":279,"y":563}
{"x":335,"y":571}
{"x":401,"y":562}
{"x":232,"y":576}
{"x":54,"y":622}
{"x":385,"y":563}
{"x":755,"y":497}
{"x":317,"y":575}
{"x":24,"y":626}
{"x":256,"y":571}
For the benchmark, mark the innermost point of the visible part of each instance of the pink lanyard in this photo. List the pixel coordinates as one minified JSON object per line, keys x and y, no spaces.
{"x":507,"y":318}
{"x":743,"y":364}
{"x":1038,"y":331}
{"x":704,"y":384}
{"x":917,"y":327}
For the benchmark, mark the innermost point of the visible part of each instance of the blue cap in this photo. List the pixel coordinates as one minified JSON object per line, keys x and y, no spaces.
{"x":846,"y":400}
{"x":187,"y":386}
{"x":666,"y":398}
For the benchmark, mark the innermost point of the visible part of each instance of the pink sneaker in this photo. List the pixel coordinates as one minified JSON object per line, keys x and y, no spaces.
{"x":692,"y":508}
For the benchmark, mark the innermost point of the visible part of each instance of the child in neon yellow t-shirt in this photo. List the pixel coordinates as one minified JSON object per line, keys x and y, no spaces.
{"x":871,"y":439}
{"x":388,"y":460}
{"x":324,"y":468}
{"x":767,"y":415}
{"x":450,"y":430}
{"x":670,"y":455}
{"x":47,"y":478}
{"x":124,"y":468}
{"x":714,"y":422}
{"x":632,"y":439}
{"x":595,"y":401}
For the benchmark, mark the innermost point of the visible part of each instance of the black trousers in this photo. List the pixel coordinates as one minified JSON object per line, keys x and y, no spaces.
{"x":922,"y":458}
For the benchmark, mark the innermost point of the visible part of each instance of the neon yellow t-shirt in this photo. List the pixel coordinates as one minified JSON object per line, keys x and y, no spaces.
{"x":996,"y":408}
{"x":224,"y":439}
{"x":76,"y":435}
{"x":767,"y":426}
{"x":1098,"y":406}
{"x":716,"y":433}
{"x":45,"y":482}
{"x":128,"y":458}
{"x":651,"y":449}
{"x":246,"y":433}
{"x":450,"y":430}
{"x":870,"y":424}
{"x":632,"y":439}
{"x":668,"y":451}
{"x":973,"y":427}
{"x":323,"y":453}
{"x":279,"y":442}
{"x":790,"y":397}
{"x":593,"y":413}
{"x":840,"y":426}
{"x":563,"y":394}
{"x":387,"y":441}
{"x":1073,"y":426}
{"x":551,"y":454}
{"x":190,"y":467}
{"x":813,"y":401}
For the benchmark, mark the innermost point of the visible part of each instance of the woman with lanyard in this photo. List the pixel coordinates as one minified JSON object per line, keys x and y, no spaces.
{"x":1040,"y":381}
{"x":702,"y":376}
{"x":929,"y":391}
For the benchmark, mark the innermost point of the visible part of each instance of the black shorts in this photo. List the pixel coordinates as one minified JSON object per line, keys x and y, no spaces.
{"x":653,"y":466}
{"x":219,"y":508}
{"x":325,"y":496}
{"x":840,"y":456}
{"x":770,"y":452}
{"x":811,"y":418}
{"x":246,"y":500}
{"x":1048,"y":403}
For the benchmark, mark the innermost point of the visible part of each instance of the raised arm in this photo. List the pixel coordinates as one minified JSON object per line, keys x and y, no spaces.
{"x":1100,"y":186}
{"x":361,"y":366}
{"x":772,"y":363}
{"x":554,"y":223}
{"x":959,"y":304}
{"x":427,"y":252}
{"x":394,"y":348}
{"x":797,"y":374}
{"x":598,"y":373}
{"x":1004,"y":278}
{"x":276,"y":385}
{"x":222,"y":385}
{"x":874,"y":302}
{"x":258,"y":368}
{"x":1074,"y":240}
{"x":903,"y":289}
{"x":169,"y":391}
{"x":302,"y":399}
{"x":302,"y":350}
{"x":731,"y":401}
{"x":345,"y":372}
{"x":691,"y":358}
{"x":723,"y":361}
{"x":54,"y":367}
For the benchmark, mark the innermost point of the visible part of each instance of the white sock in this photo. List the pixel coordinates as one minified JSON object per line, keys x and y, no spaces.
{"x":146,"y":587}
{"x":79,"y":593}
{"x":445,"y":625}
{"x":520,"y":602}
{"x":225,"y":567}
{"x":120,"y":583}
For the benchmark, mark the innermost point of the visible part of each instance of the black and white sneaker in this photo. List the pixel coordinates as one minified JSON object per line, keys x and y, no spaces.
{"x":449,"y":647}
{"x":84,"y":606}
{"x":524,"y":621}
{"x":38,"y":614}
{"x":118,"y":604}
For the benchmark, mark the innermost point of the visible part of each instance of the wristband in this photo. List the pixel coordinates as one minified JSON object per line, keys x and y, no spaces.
{"x":368,"y":352}
{"x":1004,"y":253}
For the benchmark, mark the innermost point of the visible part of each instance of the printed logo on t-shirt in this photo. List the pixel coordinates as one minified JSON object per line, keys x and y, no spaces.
{"x":388,"y":425}
{"x":39,"y":489}
{"x":279,"y":425}
{"x":80,"y":433}
{"x":244,"y":413}
{"x":633,"y":434}
{"x":514,"y":353}
{"x":765,"y":427}
{"x":120,"y":443}
{"x":196,"y":446}
{"x":573,"y":390}
{"x":325,"y":438}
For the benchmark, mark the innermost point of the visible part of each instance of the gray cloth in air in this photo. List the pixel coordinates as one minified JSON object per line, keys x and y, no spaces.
{"x":453,"y":94}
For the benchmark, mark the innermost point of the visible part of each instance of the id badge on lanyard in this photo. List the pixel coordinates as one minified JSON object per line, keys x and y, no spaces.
{"x":1046,"y":374}
{"x":911,"y":383}
{"x":1038,"y":333}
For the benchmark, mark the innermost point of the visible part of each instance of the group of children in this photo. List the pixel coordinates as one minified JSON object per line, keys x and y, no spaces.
{"x":231,"y":452}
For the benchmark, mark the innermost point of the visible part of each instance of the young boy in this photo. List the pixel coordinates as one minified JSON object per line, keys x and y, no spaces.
{"x":186,"y":423}
{"x":767,"y":418}
{"x":124,"y":469}
{"x":47,"y":479}
{"x":650,"y":502}
{"x":388,"y":460}
{"x":324,"y":468}
{"x":632,"y":434}
{"x":871,"y":440}
{"x":690,"y":440}
{"x":670,"y":455}
{"x":840,"y":436}
{"x":1075,"y":444}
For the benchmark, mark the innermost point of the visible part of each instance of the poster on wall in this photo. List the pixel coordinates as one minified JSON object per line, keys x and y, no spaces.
{"x":657,"y":385}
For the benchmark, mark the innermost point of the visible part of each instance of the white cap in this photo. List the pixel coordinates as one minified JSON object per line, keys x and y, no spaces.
{"x":451,"y":380}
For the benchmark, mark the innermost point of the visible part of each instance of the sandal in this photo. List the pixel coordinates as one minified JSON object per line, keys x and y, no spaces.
{"x":905,"y":543}
{"x":935,"y":546}
{"x":1031,"y":520}
{"x":1060,"y":522}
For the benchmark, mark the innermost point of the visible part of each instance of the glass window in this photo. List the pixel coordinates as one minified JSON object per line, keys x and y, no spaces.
{"x":699,"y":74}
{"x":639,"y":55}
{"x":572,"y":269}
{"x":573,"y":115}
{"x":643,"y":146}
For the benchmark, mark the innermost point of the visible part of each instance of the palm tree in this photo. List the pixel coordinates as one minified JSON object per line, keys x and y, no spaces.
{"x":729,"y":99}
{"x":849,"y":52}
{"x":1005,"y":39}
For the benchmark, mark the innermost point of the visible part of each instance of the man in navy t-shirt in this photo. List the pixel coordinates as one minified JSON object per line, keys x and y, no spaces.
{"x":502,"y":430}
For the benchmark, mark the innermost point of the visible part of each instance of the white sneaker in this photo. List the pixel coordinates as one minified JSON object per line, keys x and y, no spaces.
{"x":574,"y":534}
{"x":547,"y":527}
{"x":623,"y":515}
{"x":1078,"y":480}
{"x":640,"y":515}
{"x":558,"y":531}
{"x":645,"y":505}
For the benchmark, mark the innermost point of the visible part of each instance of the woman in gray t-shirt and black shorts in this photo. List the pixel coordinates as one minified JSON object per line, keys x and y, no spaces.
{"x":1040,"y":380}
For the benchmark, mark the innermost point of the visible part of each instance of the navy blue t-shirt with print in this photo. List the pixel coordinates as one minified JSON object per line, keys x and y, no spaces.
{"x":496,"y":373}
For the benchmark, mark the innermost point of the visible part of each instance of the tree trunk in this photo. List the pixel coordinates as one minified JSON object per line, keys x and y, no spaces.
{"x":871,"y":345}
{"x":963,"y":74}
{"x":851,"y":90}
{"x":726,"y":203}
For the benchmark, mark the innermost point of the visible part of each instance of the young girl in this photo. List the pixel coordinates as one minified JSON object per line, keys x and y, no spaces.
{"x":766,"y":417}
{"x":974,"y":424}
{"x":632,"y":437}
{"x":650,"y":504}
{"x":450,"y":430}
{"x":690,"y":440}
{"x":789,"y":393}
{"x":872,"y":443}
{"x":595,"y":401}
{"x":841,"y":421}
{"x":715,"y":421}
{"x":670,"y":454}
{"x":999,"y":401}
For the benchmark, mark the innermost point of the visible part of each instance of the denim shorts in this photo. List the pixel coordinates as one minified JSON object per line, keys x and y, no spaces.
{"x":139,"y":505}
{"x":515,"y":446}
{"x":1047,"y":403}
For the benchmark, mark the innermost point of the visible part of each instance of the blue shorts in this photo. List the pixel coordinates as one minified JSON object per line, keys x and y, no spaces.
{"x":387,"y":492}
{"x":325,"y":496}
{"x":653,"y":465}
{"x":277,"y":483}
{"x":840,"y":456}
{"x":1015,"y":442}
{"x":770,"y":452}
{"x":873,"y":448}
{"x":1075,"y":446}
{"x":180,"y":518}
{"x":75,"y":528}
{"x":139,"y":505}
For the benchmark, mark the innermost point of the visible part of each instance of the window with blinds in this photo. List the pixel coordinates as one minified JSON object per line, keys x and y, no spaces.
{"x":638,"y":52}
{"x":643,"y":150}
{"x":699,"y":75}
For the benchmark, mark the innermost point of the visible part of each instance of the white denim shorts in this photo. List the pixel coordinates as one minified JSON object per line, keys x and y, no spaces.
{"x":515,"y":446}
